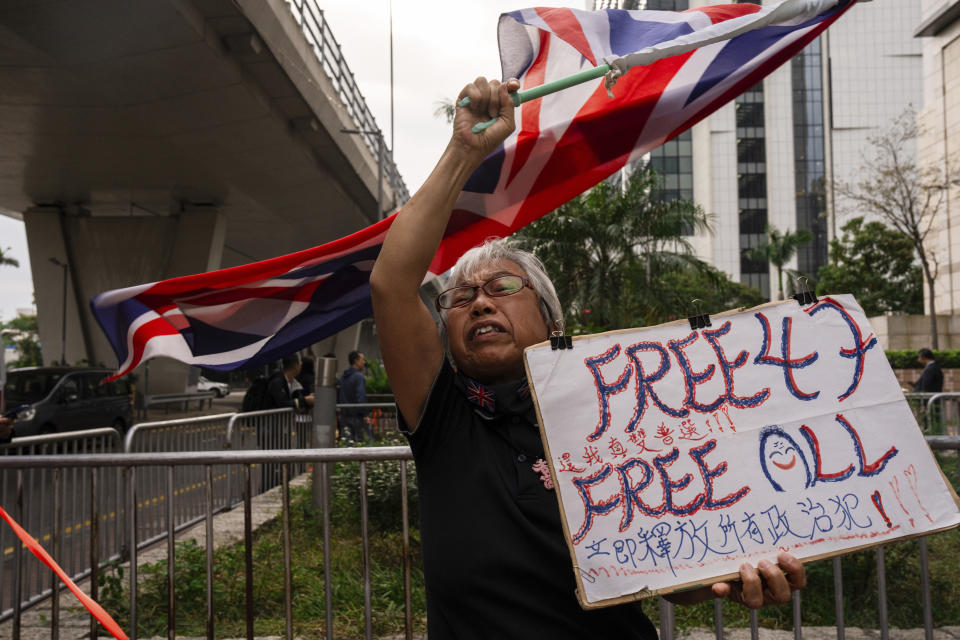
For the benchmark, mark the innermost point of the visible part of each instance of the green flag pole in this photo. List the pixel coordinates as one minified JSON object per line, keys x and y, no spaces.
{"x":519,"y":97}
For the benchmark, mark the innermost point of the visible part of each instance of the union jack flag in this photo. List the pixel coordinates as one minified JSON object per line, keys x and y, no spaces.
{"x":564,"y":144}
{"x":480,"y":395}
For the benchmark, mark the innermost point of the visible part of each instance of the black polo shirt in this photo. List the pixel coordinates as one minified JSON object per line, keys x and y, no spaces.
{"x":495,"y":560}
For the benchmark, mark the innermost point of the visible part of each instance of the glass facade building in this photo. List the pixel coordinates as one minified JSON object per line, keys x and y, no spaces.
{"x":673,"y":160}
{"x":752,"y":185}
{"x":771,"y":157}
{"x":808,"y":156}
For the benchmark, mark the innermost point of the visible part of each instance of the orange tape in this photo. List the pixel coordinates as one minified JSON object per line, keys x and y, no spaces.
{"x":98,"y":612}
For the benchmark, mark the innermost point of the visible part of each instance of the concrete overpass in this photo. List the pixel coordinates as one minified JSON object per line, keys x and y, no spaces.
{"x":147,"y":139}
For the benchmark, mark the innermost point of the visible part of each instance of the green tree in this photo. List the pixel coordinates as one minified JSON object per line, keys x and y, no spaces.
{"x":904,"y":194}
{"x":711,"y":286}
{"x":5,"y":258}
{"x":778,"y":250}
{"x":876,"y":262}
{"x":22,"y":332}
{"x":610,"y":250}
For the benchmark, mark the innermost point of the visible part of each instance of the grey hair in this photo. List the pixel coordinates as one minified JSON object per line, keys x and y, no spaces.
{"x":492,"y":250}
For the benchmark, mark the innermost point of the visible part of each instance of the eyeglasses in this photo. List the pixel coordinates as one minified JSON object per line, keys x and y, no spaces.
{"x":505,"y":285}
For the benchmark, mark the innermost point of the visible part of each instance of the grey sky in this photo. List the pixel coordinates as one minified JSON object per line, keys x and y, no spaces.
{"x":438,"y":47}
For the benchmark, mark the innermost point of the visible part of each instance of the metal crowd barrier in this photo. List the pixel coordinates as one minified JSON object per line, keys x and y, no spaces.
{"x":151,"y":520}
{"x":170,"y":463}
{"x":321,"y":458}
{"x":268,"y":429}
{"x":81,"y":537}
{"x":97,"y":526}
{"x":936,"y":413}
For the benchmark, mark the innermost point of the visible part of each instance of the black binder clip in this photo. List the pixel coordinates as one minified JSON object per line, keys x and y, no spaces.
{"x":805,"y":296}
{"x":560,"y":341}
{"x":699,"y":319}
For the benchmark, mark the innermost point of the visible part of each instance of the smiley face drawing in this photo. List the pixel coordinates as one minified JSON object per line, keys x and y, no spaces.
{"x":782,"y":460}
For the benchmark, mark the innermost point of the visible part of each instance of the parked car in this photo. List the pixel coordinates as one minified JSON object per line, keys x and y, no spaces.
{"x":55,"y":399}
{"x":220,"y":388}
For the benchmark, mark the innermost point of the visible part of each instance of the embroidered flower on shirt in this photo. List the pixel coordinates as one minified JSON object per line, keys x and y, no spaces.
{"x":541,"y":467}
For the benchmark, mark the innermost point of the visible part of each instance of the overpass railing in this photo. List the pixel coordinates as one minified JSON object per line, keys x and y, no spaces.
{"x":315,"y":29}
{"x":321,"y":459}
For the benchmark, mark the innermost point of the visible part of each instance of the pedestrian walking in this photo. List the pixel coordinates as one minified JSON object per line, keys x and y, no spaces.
{"x":353,"y":390}
{"x":931,"y":379}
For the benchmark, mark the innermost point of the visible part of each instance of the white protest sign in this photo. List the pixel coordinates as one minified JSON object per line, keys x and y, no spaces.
{"x":679,"y":454}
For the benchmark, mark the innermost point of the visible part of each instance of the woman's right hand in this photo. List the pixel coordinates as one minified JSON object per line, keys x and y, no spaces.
{"x":488,"y":99}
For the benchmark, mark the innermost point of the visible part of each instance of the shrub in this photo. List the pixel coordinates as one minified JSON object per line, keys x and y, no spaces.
{"x":907,"y":358}
{"x":377,"y":381}
{"x":384,"y":504}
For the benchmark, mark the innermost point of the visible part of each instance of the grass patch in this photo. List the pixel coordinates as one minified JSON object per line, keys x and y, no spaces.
{"x":306,"y":536}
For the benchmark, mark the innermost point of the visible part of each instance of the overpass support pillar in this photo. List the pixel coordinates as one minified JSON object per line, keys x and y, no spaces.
{"x":58,"y":314}
{"x":111,"y":252}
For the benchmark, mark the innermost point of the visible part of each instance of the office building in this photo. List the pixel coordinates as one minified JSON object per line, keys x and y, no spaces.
{"x":938,"y":33}
{"x":771,"y":156}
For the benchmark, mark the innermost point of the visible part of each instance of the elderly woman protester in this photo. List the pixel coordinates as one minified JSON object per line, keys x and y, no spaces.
{"x":495,"y":559}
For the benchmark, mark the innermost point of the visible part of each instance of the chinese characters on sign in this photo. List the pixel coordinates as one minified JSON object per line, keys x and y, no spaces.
{"x":678,"y":454}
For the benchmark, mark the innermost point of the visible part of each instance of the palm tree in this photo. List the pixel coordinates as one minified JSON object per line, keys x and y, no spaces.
{"x":445,"y":109}
{"x":608,"y":249}
{"x":779,"y":250}
{"x":5,"y":258}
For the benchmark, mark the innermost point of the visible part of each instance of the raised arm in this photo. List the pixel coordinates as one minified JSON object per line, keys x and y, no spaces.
{"x":409,"y":342}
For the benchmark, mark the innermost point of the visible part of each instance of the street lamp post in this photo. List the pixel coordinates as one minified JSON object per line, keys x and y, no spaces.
{"x":374,"y":132}
{"x":63,"y":321}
